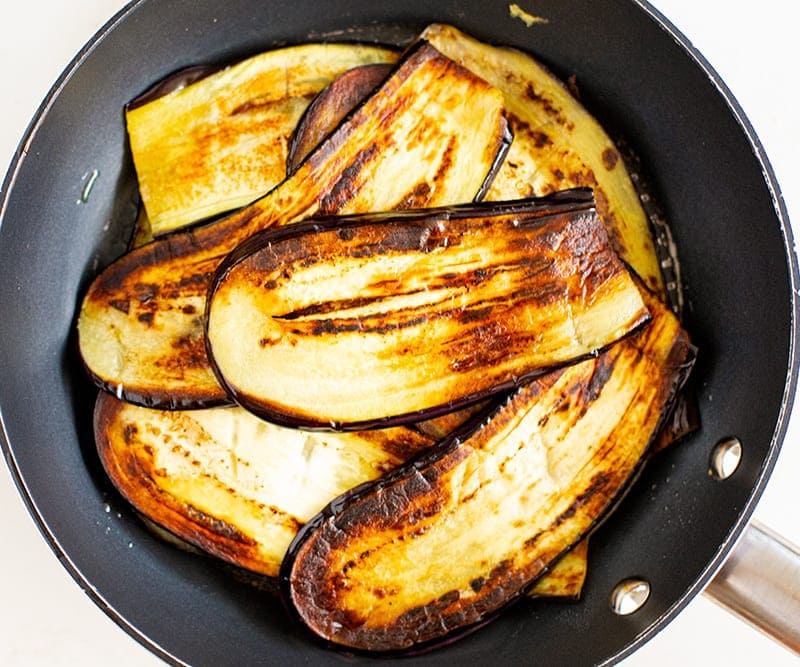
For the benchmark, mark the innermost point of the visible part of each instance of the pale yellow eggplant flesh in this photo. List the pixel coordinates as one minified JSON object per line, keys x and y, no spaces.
{"x":222,"y":142}
{"x":442,"y":544}
{"x":558,"y":145}
{"x":397,"y":316}
{"x":564,"y":580}
{"x":231,"y":484}
{"x":413,"y":143}
{"x":223,"y":483}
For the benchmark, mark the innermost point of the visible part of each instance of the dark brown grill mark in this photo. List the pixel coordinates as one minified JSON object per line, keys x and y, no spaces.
{"x":477,"y":583}
{"x":417,"y":196}
{"x":129,"y":433}
{"x":545,"y":103}
{"x":123,"y":305}
{"x":347,"y":186}
{"x":596,"y":487}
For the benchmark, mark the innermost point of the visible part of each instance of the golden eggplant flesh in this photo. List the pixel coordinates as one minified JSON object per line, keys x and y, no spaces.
{"x":557,"y":145}
{"x":565,"y":578}
{"x":411,"y":143}
{"x":236,"y":486}
{"x":385,"y":318}
{"x":221,"y":481}
{"x":438,"y":546}
{"x":222,"y":142}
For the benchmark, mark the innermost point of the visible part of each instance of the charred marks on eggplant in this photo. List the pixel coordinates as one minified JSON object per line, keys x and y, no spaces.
{"x":552,"y":109}
{"x":626,"y":412}
{"x":593,"y":493}
{"x":217,"y":526}
{"x":539,"y":138}
{"x":350,"y":182}
{"x":185,"y":261}
{"x":330,"y":107}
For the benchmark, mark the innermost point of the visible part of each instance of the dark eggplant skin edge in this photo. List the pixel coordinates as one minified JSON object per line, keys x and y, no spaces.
{"x":375,"y":73}
{"x":505,"y":144}
{"x":425,"y":458}
{"x":186,"y":76}
{"x":565,"y":201}
{"x":159,"y":401}
{"x":292,"y":163}
{"x":171,"y":83}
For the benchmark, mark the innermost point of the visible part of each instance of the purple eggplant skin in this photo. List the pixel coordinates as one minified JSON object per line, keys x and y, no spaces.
{"x":330,"y":107}
{"x":178,"y":80}
{"x":353,"y":574}
{"x":482,"y":345}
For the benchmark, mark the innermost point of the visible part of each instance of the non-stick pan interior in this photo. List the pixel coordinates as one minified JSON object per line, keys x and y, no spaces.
{"x":635,"y":75}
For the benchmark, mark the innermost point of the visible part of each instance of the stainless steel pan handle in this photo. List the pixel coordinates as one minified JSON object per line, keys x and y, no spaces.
{"x":760,"y":583}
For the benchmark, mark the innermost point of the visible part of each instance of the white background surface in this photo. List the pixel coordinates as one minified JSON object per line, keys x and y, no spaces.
{"x":45,"y":619}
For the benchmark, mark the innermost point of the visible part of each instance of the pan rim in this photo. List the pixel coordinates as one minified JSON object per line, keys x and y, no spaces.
{"x":790,"y":385}
{"x":781,"y":425}
{"x":6,"y":188}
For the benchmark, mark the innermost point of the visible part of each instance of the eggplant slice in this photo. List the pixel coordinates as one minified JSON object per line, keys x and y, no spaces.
{"x":222,"y":142}
{"x":384,"y":319}
{"x":440,"y":545}
{"x":412,"y":143}
{"x":565,"y":578}
{"x":558,"y":145}
{"x":232,"y":484}
{"x":221,"y":481}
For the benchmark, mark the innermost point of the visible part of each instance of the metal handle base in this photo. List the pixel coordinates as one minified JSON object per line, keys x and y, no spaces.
{"x":760,"y":583}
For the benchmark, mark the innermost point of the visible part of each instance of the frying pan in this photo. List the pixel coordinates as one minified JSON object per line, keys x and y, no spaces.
{"x":720,"y":196}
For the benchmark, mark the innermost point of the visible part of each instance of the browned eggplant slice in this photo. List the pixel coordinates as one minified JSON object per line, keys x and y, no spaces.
{"x":440,"y":545}
{"x":330,"y":107}
{"x":222,"y":482}
{"x":565,"y":578}
{"x":234,"y":485}
{"x":391,"y":317}
{"x":412,"y":143}
{"x":222,"y":142}
{"x":558,"y":145}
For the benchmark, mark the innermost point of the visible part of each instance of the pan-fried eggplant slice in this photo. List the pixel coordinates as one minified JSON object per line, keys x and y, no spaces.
{"x":438,"y":546}
{"x":412,"y":143}
{"x":382,"y":319}
{"x":230,"y":483}
{"x":222,"y":482}
{"x":565,"y":578}
{"x":222,"y":142}
{"x":557,"y":145}
{"x":330,"y":107}
{"x":525,"y":157}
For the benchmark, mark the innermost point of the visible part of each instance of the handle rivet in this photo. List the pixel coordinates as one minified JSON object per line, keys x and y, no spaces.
{"x":629,"y":595}
{"x":725,"y":458}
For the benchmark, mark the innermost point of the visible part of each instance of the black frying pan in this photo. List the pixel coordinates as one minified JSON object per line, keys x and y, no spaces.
{"x":728,"y":221}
